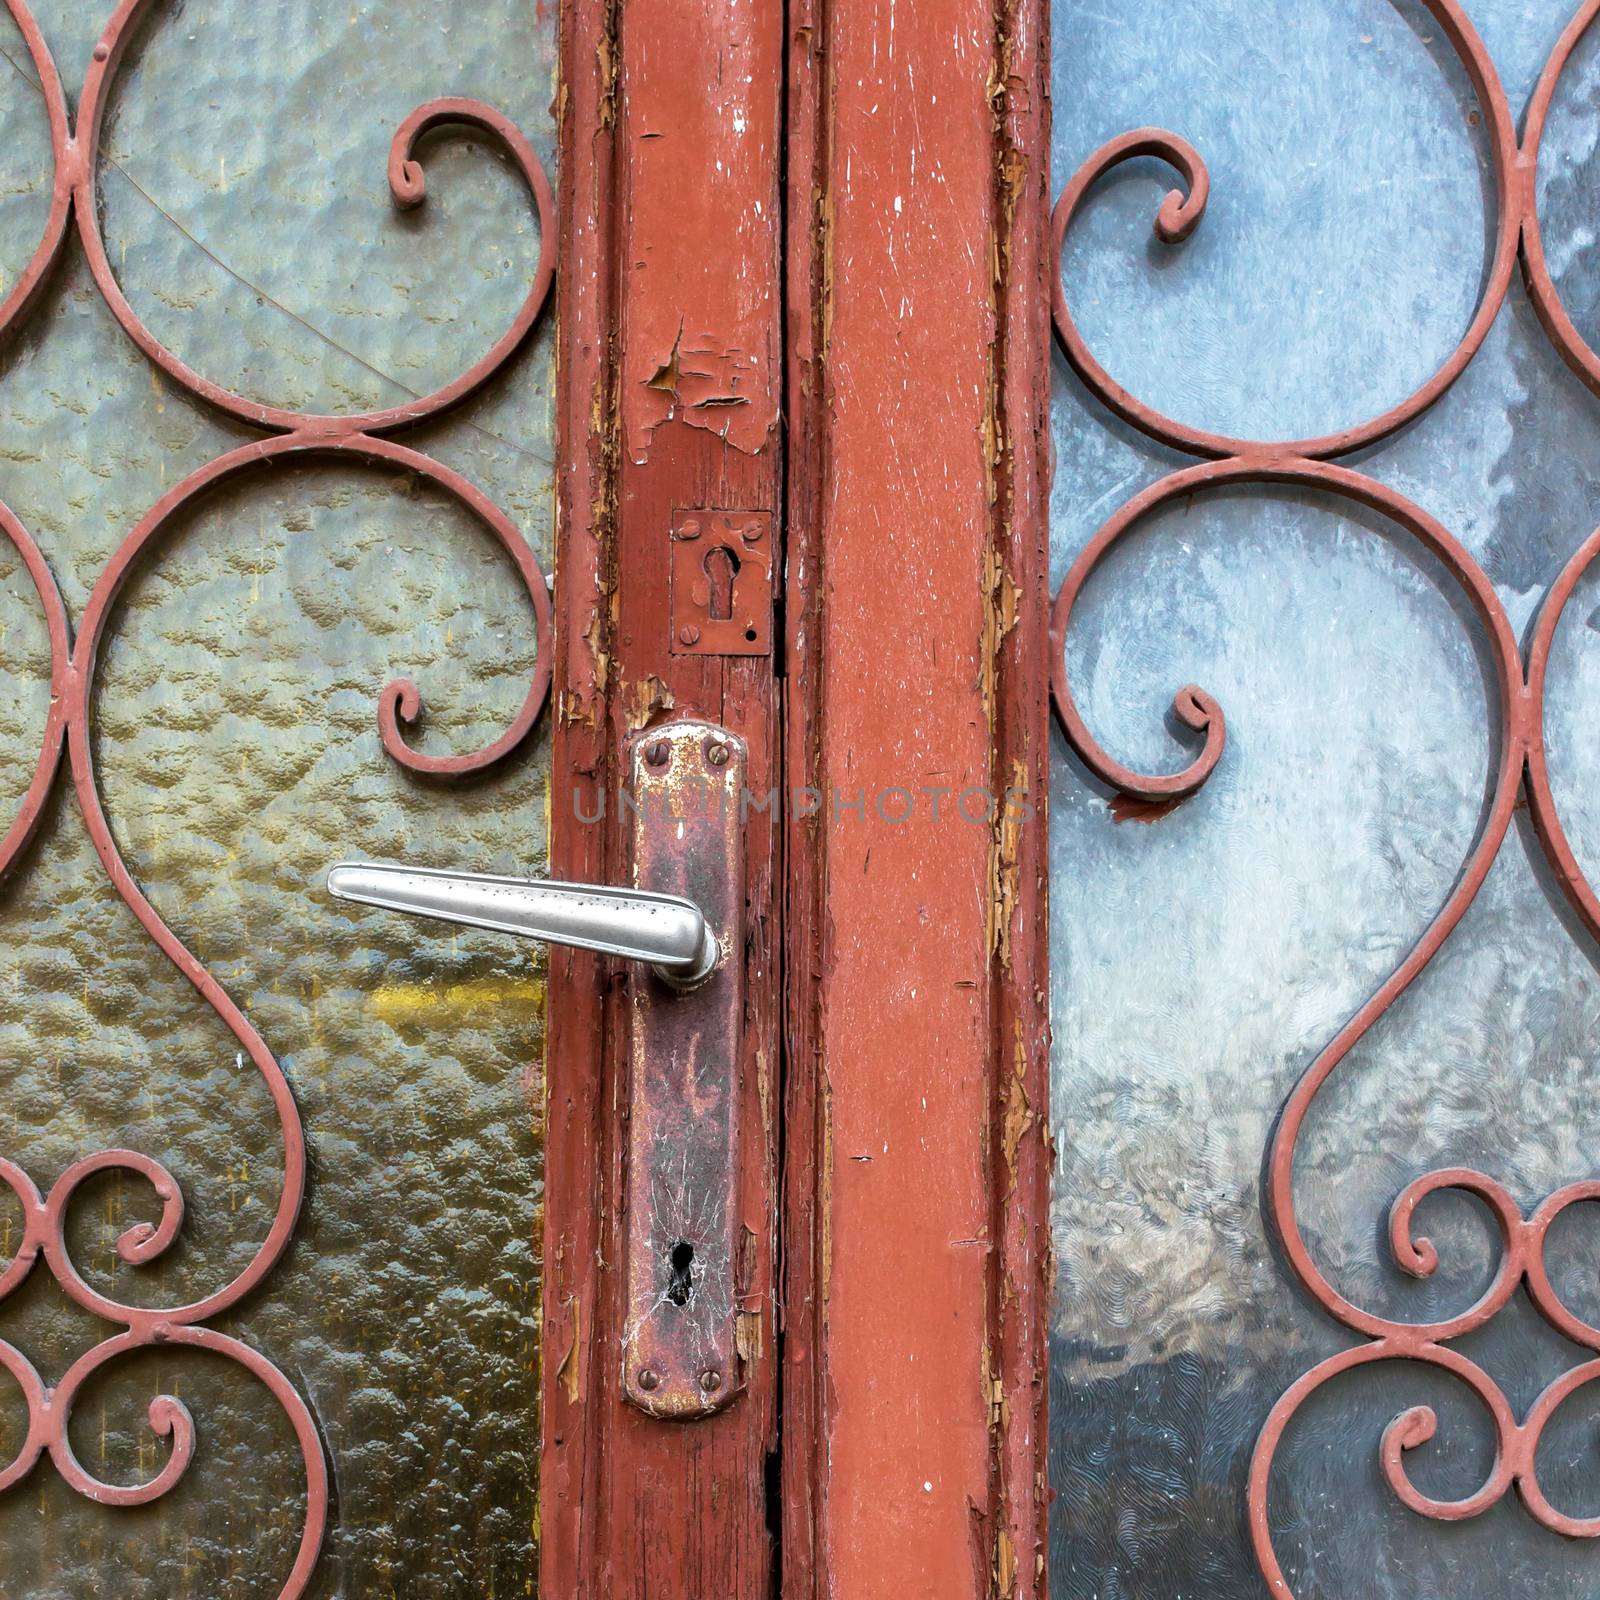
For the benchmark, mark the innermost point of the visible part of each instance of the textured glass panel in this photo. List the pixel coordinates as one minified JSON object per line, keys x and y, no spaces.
{"x":248,"y":214}
{"x":1203,"y":959}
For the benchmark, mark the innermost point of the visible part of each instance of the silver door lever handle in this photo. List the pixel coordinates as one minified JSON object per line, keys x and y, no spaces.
{"x":665,"y":930}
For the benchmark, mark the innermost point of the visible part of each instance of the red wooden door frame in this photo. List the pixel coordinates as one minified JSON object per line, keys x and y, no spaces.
{"x":916,"y":1209}
{"x":847,"y":205}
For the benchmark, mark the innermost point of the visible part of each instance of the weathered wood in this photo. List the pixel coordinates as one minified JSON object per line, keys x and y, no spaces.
{"x":671,"y":393}
{"x":915,"y":1241}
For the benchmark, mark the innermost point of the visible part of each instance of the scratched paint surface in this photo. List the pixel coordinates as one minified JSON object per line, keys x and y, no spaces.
{"x":249,"y":217}
{"x":1200,"y":962}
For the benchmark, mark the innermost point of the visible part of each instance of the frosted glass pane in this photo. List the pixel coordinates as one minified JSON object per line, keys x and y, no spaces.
{"x":1203,"y":959}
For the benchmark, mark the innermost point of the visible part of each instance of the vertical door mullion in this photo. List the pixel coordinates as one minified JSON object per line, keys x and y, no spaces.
{"x":916,"y":1241}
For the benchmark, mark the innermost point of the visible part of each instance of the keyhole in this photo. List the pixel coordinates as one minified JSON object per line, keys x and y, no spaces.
{"x":721,"y":568}
{"x":682,"y":1284}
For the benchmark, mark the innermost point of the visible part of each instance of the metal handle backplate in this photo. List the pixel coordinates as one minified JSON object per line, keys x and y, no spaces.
{"x":680,"y":1346}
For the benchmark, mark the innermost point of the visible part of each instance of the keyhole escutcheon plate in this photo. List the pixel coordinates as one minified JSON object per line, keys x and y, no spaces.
{"x":721,"y":583}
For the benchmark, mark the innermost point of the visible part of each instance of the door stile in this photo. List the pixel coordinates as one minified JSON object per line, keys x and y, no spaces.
{"x":916,"y":1242}
{"x":670,"y":400}
{"x":580,"y":771}
{"x":806,"y":1151}
{"x":1025,"y":1280}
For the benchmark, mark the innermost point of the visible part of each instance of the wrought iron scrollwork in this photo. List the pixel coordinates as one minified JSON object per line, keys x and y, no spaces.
{"x":355,"y":439}
{"x":1519,"y":768}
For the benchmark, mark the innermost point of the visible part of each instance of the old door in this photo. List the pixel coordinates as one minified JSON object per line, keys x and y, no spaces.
{"x":1232,"y":641}
{"x":309,"y":396}
{"x":1307,"y":1306}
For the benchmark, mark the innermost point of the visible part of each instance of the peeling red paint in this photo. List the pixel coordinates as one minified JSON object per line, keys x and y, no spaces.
{"x":916,"y":1329}
{"x":905,"y":1021}
{"x":670,"y":385}
{"x":700,"y":258}
{"x":704,"y":382}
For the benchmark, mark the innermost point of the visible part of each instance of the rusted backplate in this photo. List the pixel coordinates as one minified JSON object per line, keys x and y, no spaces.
{"x":722,"y":583}
{"x":679,"y":1357}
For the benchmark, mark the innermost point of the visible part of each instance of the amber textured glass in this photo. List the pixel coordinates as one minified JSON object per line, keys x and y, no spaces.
{"x":248,"y":217}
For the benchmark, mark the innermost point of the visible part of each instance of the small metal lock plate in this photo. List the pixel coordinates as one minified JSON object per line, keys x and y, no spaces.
{"x":680,"y":1355}
{"x":721,"y":583}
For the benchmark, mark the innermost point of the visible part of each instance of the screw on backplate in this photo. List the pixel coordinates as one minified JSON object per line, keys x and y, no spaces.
{"x":717,"y":754}
{"x":689,"y":529}
{"x":649,"y":1378}
{"x":750,"y":532}
{"x":710,"y":1380}
{"x":688,"y":634}
{"x":657,"y":753}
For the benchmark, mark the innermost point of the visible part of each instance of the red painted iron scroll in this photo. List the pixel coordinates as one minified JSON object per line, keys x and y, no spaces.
{"x":359,"y":440}
{"x":1521,"y":770}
